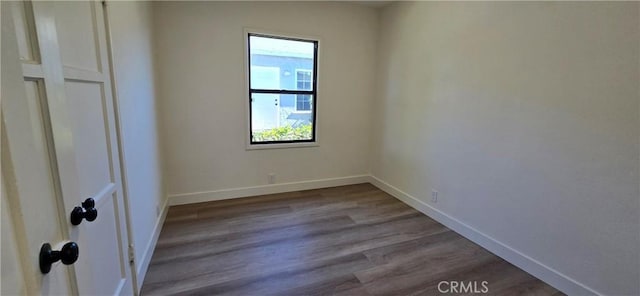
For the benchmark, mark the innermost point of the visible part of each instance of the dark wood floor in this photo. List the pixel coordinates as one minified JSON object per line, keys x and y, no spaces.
{"x":349,"y":240}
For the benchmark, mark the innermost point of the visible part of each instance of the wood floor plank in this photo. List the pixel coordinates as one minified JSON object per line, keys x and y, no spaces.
{"x":347,"y":240}
{"x":310,"y":279}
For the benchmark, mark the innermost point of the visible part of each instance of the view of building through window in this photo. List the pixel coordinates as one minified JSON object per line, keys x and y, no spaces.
{"x":282,"y":89}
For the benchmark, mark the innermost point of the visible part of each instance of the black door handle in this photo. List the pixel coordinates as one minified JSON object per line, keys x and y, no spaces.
{"x":68,"y":255}
{"x":87,"y":211}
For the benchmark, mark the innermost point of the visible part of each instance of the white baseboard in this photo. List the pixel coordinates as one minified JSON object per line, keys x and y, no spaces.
{"x":196,"y":197}
{"x":524,"y":262}
{"x":142,"y":268}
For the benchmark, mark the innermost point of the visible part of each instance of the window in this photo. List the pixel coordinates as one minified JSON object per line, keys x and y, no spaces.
{"x":282,"y":89}
{"x":303,"y":81}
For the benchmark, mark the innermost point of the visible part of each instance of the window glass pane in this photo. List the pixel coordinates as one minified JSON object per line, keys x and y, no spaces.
{"x":303,"y":79}
{"x":279,"y":117}
{"x":303,"y":103}
{"x":281,"y":64}
{"x":264,"y":111}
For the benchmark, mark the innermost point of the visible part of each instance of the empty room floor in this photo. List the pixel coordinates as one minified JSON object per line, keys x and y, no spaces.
{"x":348,"y":240}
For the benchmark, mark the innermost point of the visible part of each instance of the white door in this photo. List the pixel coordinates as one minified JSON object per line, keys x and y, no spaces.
{"x":59,"y":133}
{"x":265,"y":107}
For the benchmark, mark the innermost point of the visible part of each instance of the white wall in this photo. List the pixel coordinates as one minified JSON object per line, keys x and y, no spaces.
{"x":131,"y":28}
{"x":525,"y":118}
{"x":203,"y":97}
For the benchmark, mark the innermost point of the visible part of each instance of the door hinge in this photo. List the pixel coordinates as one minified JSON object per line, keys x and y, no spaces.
{"x":132,"y":254}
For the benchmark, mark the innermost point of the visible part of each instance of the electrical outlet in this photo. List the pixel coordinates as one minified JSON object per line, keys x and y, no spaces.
{"x":272,"y":178}
{"x":434,"y":196}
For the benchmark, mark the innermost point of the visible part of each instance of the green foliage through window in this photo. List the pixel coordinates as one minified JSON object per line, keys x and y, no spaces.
{"x":284,"y":133}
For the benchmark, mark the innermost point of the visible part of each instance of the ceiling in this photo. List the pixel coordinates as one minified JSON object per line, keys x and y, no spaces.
{"x":374,"y":3}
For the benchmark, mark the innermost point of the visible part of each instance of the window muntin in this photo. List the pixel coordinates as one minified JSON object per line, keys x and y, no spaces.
{"x":282,"y":89}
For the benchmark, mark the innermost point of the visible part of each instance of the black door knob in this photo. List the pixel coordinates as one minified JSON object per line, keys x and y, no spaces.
{"x":87,"y":211}
{"x":89,"y":203}
{"x":67,"y":255}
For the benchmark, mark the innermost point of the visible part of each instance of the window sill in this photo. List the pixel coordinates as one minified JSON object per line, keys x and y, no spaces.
{"x":281,"y":146}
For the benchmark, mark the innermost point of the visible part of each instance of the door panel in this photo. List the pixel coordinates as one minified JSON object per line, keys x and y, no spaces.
{"x":11,"y":269}
{"x":90,"y":136}
{"x":23,"y":21}
{"x":107,"y":277}
{"x":76,"y":24}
